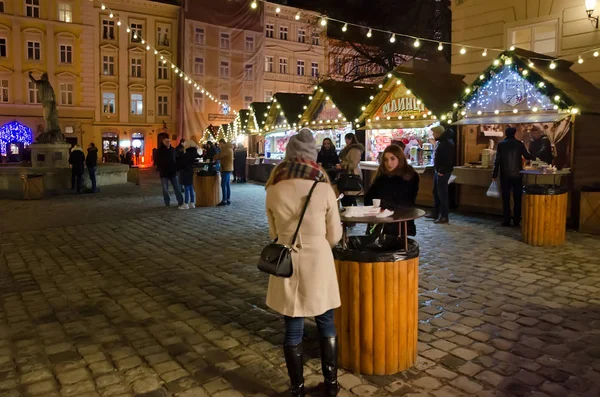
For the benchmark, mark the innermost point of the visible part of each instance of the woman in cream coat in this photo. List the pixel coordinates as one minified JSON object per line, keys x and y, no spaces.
{"x":312,"y":290}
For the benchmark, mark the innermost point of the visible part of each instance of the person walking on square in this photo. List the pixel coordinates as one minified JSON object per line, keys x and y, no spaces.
{"x":509,"y":164}
{"x":77,"y":160}
{"x":167,"y":168}
{"x":186,"y":174}
{"x":225,"y":156}
{"x":443,"y":164}
{"x":312,"y":290}
{"x":91,"y":161}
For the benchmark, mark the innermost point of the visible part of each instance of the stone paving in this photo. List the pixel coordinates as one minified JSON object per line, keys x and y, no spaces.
{"x":115,"y":295}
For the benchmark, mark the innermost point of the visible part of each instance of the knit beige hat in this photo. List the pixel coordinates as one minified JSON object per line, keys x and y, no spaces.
{"x":302,"y":145}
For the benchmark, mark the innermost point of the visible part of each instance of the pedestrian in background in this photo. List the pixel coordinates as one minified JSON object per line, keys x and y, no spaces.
{"x":312,"y":290}
{"x":180,"y":151}
{"x":91,"y":161}
{"x":225,"y":156}
{"x":328,"y":158}
{"x":443,"y":165}
{"x":77,"y":160}
{"x":186,"y":174}
{"x":166,"y":161}
{"x":239,"y":163}
{"x":350,"y":157}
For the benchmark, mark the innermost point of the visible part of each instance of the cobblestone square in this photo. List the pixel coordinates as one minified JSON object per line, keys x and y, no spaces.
{"x":115,"y":295}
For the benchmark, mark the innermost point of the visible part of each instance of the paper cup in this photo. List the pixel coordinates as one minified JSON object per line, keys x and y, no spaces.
{"x":376,"y":203}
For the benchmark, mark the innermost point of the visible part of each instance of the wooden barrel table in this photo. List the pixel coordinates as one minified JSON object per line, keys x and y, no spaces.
{"x":207,"y":185}
{"x":377,"y":322}
{"x":544,"y":215}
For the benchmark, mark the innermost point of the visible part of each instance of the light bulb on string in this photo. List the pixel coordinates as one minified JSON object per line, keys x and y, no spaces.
{"x":128,"y":30}
{"x":596,"y":54}
{"x":297,"y":17}
{"x":508,"y":61}
{"x":580,"y":60}
{"x":323,"y":21}
{"x":440,"y":47}
{"x":103,"y":7}
{"x":463,"y":51}
{"x":345,"y":27}
{"x":147,"y":48}
{"x":389,"y":75}
{"x":482,"y":77}
{"x":254,"y":5}
{"x":484,"y":53}
{"x":118,"y":23}
{"x":525,"y":72}
{"x":512,"y":47}
{"x":557,"y":98}
{"x":369,"y":33}
{"x":417,"y":43}
{"x":552,"y":65}
{"x":278,"y":10}
{"x":393,"y":38}
{"x":531,"y":64}
{"x":111,"y":15}
{"x":135,"y":36}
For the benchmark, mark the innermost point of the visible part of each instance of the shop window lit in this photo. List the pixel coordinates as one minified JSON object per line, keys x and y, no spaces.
{"x":136,"y":67}
{"x":4,"y":91}
{"x":33,"y":94}
{"x":65,"y":12}
{"x":108,"y":65}
{"x":199,"y":36}
{"x":314,"y":69}
{"x":3,"y":47}
{"x":269,"y":30}
{"x":34,"y":50}
{"x":137,"y":104}
{"x":225,"y":41}
{"x":269,"y":64}
{"x":66,"y":93}
{"x":224,"y":70}
{"x":32,"y":8}
{"x":301,"y":36}
{"x":108,"y":29}
{"x":108,"y":102}
{"x":249,"y":43}
{"x":540,"y":38}
{"x":163,"y":105}
{"x":248,"y":73}
{"x":198,"y":101}
{"x":199,"y":66}
{"x":283,"y":65}
{"x":66,"y":53}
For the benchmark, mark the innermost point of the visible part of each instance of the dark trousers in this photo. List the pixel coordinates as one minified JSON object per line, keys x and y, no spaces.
{"x":441,"y":202}
{"x":294,"y":328}
{"x":226,"y":186}
{"x":516,"y":186}
{"x":76,"y":181}
{"x":92,"y":172}
{"x":164,"y":181}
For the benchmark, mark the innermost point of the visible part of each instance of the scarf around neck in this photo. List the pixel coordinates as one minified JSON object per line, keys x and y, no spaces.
{"x":298,"y":169}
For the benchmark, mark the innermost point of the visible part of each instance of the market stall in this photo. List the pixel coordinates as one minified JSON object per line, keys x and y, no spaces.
{"x":256,"y":123}
{"x":539,"y":96}
{"x":407,"y":106}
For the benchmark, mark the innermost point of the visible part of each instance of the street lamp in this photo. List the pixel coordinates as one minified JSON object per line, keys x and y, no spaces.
{"x":590,"y":6}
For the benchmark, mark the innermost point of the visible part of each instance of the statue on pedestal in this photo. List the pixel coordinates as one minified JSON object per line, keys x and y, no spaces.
{"x":52,"y":133}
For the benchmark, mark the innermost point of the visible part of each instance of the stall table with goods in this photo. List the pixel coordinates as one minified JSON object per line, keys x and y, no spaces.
{"x":257,"y":169}
{"x":379,"y":284}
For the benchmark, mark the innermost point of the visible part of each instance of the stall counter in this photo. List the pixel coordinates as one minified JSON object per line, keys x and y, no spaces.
{"x":259,"y":168}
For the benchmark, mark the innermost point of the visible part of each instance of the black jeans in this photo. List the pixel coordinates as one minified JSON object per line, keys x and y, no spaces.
{"x":294,"y":328}
{"x":516,"y":186}
{"x":92,"y":172}
{"x":441,"y":201}
{"x":76,"y":181}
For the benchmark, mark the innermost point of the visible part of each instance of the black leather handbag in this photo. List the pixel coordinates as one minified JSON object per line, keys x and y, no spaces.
{"x":276,"y":259}
{"x":349,"y":182}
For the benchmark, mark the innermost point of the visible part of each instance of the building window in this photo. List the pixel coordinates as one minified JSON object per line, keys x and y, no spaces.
{"x":301,"y":36}
{"x":248,"y":73}
{"x":163,"y":71}
{"x":269,"y":64}
{"x":268,"y":96}
{"x":33,"y":93}
{"x":270,"y":30}
{"x":224,"y":98}
{"x":2,"y":6}
{"x":247,"y":102}
{"x":199,"y":36}
{"x":66,"y":53}
{"x":163,"y":105}
{"x":283,"y":65}
{"x":224,"y":69}
{"x":314,"y":69}
{"x":108,"y":29}
{"x":540,"y":38}
{"x":249,"y":43}
{"x":316,"y":39}
{"x":137,"y":104}
{"x":339,"y":66}
{"x":300,"y":68}
{"x":199,"y":66}
{"x":225,"y":41}
{"x":198,"y":101}
{"x":136,"y":32}
{"x":4,"y":91}
{"x":108,"y":65}
{"x":283,"y":33}
{"x":34,"y":50}
{"x":136,"y":67}
{"x":162,"y":34}
{"x":66,"y":93}
{"x":108,"y":102}
{"x":65,"y":12}
{"x":3,"y":47}
{"x":32,"y":8}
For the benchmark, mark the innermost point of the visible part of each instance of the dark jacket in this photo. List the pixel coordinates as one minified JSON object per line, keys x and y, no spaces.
{"x":211,"y":151}
{"x":180,"y":150}
{"x":394,"y":192}
{"x":129,"y":158}
{"x":509,"y":158}
{"x":185,"y":163}
{"x":166,"y":161}
{"x":445,"y":154}
{"x":239,"y":162}
{"x":91,"y":160}
{"x":328,"y":158}
{"x":77,"y":159}
{"x":542,"y":149}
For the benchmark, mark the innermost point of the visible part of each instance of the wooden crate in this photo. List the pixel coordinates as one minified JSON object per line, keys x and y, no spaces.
{"x":589,"y":212}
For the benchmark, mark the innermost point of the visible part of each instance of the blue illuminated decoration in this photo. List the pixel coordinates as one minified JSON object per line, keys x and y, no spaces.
{"x":14,"y":132}
{"x":226,"y":108}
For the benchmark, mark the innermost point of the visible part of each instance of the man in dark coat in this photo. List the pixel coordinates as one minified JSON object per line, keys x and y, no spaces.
{"x":166,"y":162}
{"x":211,"y":151}
{"x":540,"y":147}
{"x":444,"y":159}
{"x":509,"y":164}
{"x":77,"y":160}
{"x":239,"y":163}
{"x":91,"y":161}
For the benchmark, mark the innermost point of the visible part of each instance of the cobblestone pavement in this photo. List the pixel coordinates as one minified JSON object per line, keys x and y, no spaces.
{"x":115,"y":295}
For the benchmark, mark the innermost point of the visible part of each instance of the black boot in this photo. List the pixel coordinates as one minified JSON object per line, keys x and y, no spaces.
{"x":329,"y":365}
{"x":295,"y":367}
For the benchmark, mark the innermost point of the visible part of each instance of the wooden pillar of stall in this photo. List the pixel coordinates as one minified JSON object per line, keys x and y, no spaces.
{"x":544,"y":215}
{"x":378,"y":321}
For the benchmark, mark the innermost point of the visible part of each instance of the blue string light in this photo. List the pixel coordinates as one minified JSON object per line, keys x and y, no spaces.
{"x":14,"y":132}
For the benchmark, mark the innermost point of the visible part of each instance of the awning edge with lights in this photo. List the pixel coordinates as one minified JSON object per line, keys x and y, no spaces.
{"x":284,"y":110}
{"x":258,"y":117}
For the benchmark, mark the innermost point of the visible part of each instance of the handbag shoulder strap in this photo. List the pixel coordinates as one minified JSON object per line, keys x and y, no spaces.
{"x":312,"y":189}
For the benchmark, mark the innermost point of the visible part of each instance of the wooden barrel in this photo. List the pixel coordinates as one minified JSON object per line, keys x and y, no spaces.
{"x":544,"y":215}
{"x":378,"y":321}
{"x":208,"y":190}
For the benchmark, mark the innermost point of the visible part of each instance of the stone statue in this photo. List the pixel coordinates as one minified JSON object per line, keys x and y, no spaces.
{"x":52,"y":133}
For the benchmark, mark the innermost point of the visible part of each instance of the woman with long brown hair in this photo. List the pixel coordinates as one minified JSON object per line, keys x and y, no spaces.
{"x":396,"y":184}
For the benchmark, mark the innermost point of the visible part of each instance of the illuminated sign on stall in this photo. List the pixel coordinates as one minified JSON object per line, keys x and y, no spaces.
{"x":401,"y":102}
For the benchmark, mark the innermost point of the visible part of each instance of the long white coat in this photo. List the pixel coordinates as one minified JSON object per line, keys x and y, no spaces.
{"x":313,"y":288}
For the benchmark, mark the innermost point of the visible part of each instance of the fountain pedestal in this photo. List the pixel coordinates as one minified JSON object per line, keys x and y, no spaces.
{"x":50,"y":155}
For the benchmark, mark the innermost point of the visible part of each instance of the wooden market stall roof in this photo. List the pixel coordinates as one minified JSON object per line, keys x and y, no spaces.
{"x":240,"y":125}
{"x":347,"y":97}
{"x":258,"y":116}
{"x":285,"y":109}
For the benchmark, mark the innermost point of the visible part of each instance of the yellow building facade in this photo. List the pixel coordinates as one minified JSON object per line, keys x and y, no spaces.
{"x":558,"y":28}
{"x":53,"y":37}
